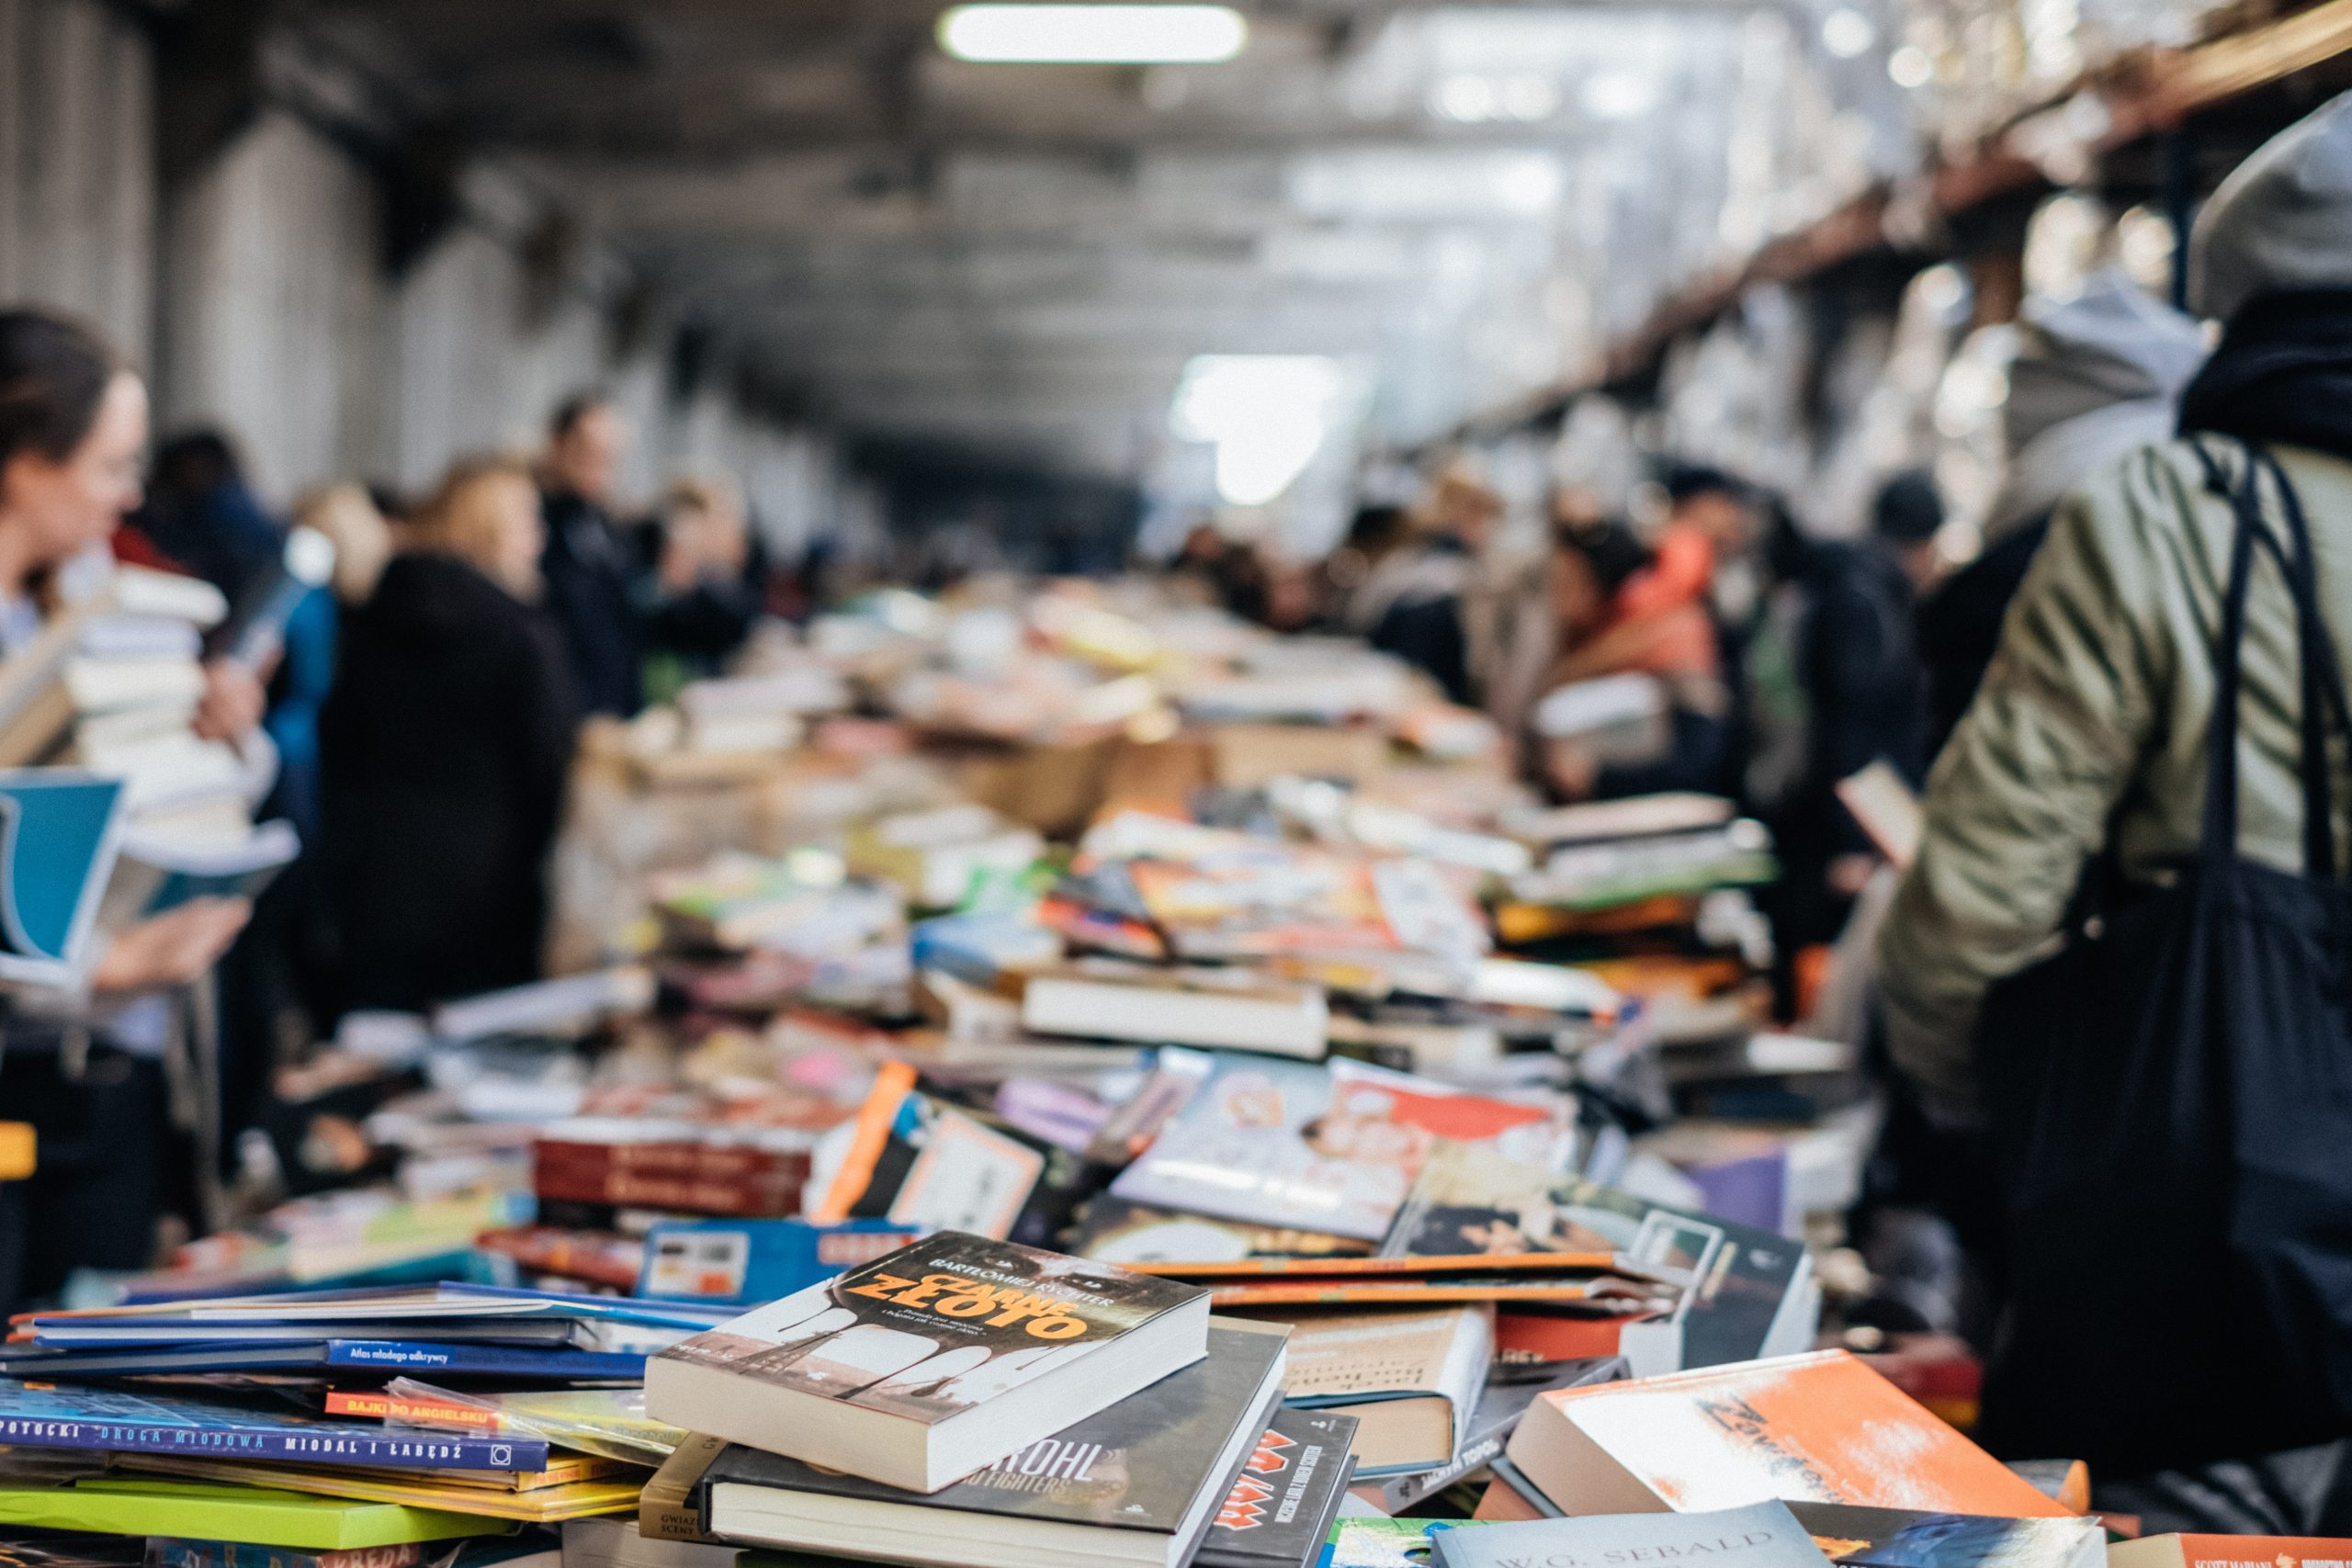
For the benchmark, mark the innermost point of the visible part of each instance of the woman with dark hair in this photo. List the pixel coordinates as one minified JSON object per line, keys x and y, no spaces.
{"x":72,"y":427}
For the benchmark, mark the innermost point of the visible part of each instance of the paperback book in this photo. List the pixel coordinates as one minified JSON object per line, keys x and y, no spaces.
{"x":1137,"y":1483}
{"x":1279,"y":1513}
{"x":1335,"y":1148}
{"x":1762,"y":1535}
{"x":931,"y":1362}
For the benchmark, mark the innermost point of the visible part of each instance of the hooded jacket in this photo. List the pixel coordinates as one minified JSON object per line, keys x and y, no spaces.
{"x":2088,"y":736}
{"x":445,"y":746}
{"x":2095,"y":377}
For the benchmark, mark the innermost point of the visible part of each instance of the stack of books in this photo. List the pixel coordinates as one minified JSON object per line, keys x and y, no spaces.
{"x":969,"y":1401}
{"x":315,"y":1395}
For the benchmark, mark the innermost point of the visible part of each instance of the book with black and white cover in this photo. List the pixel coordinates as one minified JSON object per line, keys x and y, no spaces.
{"x":927,"y":1364}
{"x":1279,"y":1512}
{"x":1136,"y":1483}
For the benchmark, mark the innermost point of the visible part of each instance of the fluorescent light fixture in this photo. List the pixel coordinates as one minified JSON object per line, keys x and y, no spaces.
{"x":1094,"y":35}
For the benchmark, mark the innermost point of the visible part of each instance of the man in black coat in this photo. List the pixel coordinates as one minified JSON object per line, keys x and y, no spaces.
{"x":587,"y":564}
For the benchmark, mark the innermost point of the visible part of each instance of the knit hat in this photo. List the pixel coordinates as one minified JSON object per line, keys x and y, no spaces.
{"x":2282,"y":221}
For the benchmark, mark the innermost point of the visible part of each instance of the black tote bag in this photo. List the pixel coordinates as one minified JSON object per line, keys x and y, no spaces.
{"x":2170,"y":1117}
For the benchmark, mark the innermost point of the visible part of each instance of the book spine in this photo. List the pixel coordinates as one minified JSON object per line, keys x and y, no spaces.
{"x":708,"y":1162}
{"x":487,"y":1361}
{"x":414,"y":1412}
{"x":758,"y":1199}
{"x":1406,"y":1490}
{"x":400,"y":1450}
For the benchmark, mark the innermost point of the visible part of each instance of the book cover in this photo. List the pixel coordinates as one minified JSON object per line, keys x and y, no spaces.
{"x":1390,"y":1543}
{"x":935,"y":1329}
{"x":390,"y":1355}
{"x":1737,"y":1282}
{"x":42,"y":1416}
{"x":1334,"y":1148}
{"x":2230,"y":1552}
{"x":1897,"y":1538}
{"x":1279,"y":1513}
{"x":61,"y":830}
{"x":758,"y":1261}
{"x":152,"y":1506}
{"x":1138,"y":1465}
{"x":166,"y":1553}
{"x":1762,"y":1535}
{"x":544,"y":1505}
{"x":1823,"y":1427}
{"x":1114,"y":1230}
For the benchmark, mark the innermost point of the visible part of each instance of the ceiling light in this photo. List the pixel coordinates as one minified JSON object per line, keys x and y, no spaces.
{"x":1910,"y":67}
{"x":1847,"y":33}
{"x":1468,"y":98}
{"x":1619,"y":95}
{"x":1094,"y":35}
{"x":1267,"y":414}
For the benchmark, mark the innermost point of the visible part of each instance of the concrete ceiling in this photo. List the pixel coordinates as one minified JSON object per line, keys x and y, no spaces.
{"x":1461,"y":200}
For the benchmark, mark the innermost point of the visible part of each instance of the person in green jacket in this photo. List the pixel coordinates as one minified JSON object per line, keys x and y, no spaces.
{"x":2087,"y":738}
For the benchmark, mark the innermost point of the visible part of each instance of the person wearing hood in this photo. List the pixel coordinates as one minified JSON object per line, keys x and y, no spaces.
{"x":446,"y":741}
{"x":2118,"y":950}
{"x":2096,"y":375}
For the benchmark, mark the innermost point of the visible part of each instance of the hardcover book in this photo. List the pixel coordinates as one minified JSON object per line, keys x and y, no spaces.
{"x":1279,"y":1513}
{"x":1137,"y":1483}
{"x":927,"y":1364}
{"x":1762,"y":1535}
{"x":155,"y":1424}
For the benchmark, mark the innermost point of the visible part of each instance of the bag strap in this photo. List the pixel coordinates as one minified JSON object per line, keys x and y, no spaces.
{"x":2319,"y":671}
{"x":2323,"y":698}
{"x":2219,"y":839}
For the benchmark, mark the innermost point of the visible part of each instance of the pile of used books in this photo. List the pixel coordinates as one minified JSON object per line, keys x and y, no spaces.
{"x":964,"y":1402}
{"x":970,"y":999}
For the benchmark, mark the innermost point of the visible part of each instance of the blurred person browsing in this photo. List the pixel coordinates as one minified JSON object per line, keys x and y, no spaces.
{"x":446,"y":741}
{"x":586,"y":562}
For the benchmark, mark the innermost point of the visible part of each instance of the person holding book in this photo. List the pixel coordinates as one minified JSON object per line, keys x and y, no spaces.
{"x":1612,"y":617}
{"x":86,"y":1070}
{"x":446,"y":741}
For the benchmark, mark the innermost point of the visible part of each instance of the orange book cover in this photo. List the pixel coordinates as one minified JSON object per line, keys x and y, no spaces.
{"x":1821,"y":1428}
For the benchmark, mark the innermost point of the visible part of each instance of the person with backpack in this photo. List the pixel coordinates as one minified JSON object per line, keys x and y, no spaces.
{"x":2123,"y":955}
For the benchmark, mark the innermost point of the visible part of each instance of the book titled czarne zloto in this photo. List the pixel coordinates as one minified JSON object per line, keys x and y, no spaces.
{"x":925,"y":1365}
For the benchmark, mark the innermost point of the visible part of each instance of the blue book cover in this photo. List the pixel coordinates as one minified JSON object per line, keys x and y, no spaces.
{"x":60,"y":832}
{"x":462,"y":1359}
{"x":1763,"y":1535}
{"x":743,"y":1262}
{"x":113,"y":1420}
